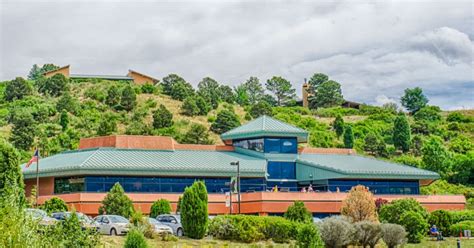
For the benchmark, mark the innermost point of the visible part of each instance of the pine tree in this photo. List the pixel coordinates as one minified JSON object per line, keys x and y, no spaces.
{"x":401,"y":133}
{"x":129,"y":98}
{"x":35,"y":73}
{"x":113,"y":96}
{"x":203,"y":105}
{"x":162,"y":206}
{"x":197,"y":134}
{"x":23,"y":131}
{"x":64,"y":119}
{"x":11,"y":177}
{"x":162,"y":117}
{"x":261,"y":108}
{"x":194,"y":214}
{"x":107,"y":125}
{"x":225,"y":121}
{"x":17,"y":89}
{"x":299,"y":213}
{"x":190,"y":107}
{"x":348,"y":137}
{"x":116,"y":202}
{"x":54,"y":86}
{"x":338,"y":125}
{"x":281,"y":88}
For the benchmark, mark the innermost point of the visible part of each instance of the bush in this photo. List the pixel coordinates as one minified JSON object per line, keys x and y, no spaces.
{"x":368,"y":233}
{"x":442,"y":219}
{"x":148,"y":88}
{"x":53,"y":205}
{"x":299,"y":213}
{"x":393,"y":235}
{"x":162,"y":206}
{"x":194,"y":215}
{"x":247,"y":231}
{"x":458,"y":216}
{"x":415,"y":225}
{"x":359,"y":205}
{"x":162,"y":117}
{"x":69,"y":233}
{"x":308,"y":236}
{"x":135,"y":239}
{"x":391,"y":213}
{"x":458,"y":228}
{"x":116,"y":202}
{"x":225,"y":121}
{"x":337,"y":231}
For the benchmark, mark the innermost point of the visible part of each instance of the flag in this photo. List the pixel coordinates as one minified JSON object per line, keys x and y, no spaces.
{"x":33,"y":159}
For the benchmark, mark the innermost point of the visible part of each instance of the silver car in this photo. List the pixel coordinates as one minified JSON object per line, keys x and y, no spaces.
{"x":41,"y":216}
{"x":112,"y":224}
{"x":159,"y":228}
{"x":173,"y":221}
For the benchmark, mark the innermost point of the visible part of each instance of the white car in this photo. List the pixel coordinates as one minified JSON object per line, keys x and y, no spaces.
{"x":112,"y":224}
{"x":41,"y":216}
{"x":160,"y":228}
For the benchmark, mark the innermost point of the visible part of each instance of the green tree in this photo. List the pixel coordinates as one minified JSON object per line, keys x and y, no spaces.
{"x":129,"y":98}
{"x":53,"y":205}
{"x":23,"y":131}
{"x":435,"y":157}
{"x":208,"y":88}
{"x":281,"y":88}
{"x":442,"y":219}
{"x":461,"y":144}
{"x":203,"y":105}
{"x":371,"y":143}
{"x":348,"y":137}
{"x":190,"y":107}
{"x":68,"y":103}
{"x":415,"y":224}
{"x":107,"y":125}
{"x":338,"y":125}
{"x":225,"y":121}
{"x":181,"y":90}
{"x":428,"y":113}
{"x":17,"y":89}
{"x":11,"y":177}
{"x":316,"y":80}
{"x":226,"y":94}
{"x":391,"y":213}
{"x":148,"y":88}
{"x":169,"y":81}
{"x":54,"y":86}
{"x":254,"y":90}
{"x":414,"y":99}
{"x":299,"y":213}
{"x":261,"y":108}
{"x":401,"y":133}
{"x":309,"y":236}
{"x":162,"y":206}
{"x":162,"y":117}
{"x":35,"y":72}
{"x":113,"y":96}
{"x":194,"y":215}
{"x":328,"y":94}
{"x":64,"y":120}
{"x":48,"y":67}
{"x":463,"y":169}
{"x":241,"y":95}
{"x":116,"y":202}
{"x":135,"y":239}
{"x":197,"y":134}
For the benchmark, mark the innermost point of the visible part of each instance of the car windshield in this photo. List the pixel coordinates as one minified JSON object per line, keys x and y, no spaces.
{"x":153,"y":221}
{"x":117,"y":219}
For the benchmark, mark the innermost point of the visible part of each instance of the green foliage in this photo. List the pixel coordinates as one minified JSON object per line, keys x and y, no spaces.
{"x":54,"y":86}
{"x":253,"y":91}
{"x":299,"y":213}
{"x":462,"y":170}
{"x":116,"y":202}
{"x":208,"y":88}
{"x":415,"y":225}
{"x":348,"y":137}
{"x":281,"y":88}
{"x":53,"y":205}
{"x":162,"y":117}
{"x":414,"y":99}
{"x":68,"y":103}
{"x":226,"y":94}
{"x":194,"y":215}
{"x":148,"y":88}
{"x":458,"y":228}
{"x":181,"y":90}
{"x":392,"y":212}
{"x":96,"y":93}
{"x":17,"y":89}
{"x":225,"y":121}
{"x":169,"y":81}
{"x":461,"y":144}
{"x":190,"y":107}
{"x":328,"y":94}
{"x":393,"y":235}
{"x":260,"y":108}
{"x":129,"y":98}
{"x":197,"y":134}
{"x":463,"y":215}
{"x":107,"y":125}
{"x":135,"y":239}
{"x":428,"y":113}
{"x":442,"y":219}
{"x":64,"y":120}
{"x":409,"y":160}
{"x":23,"y":131}
{"x":35,"y":72}
{"x":113,"y":96}
{"x":338,"y":125}
{"x":11,"y":177}
{"x":308,"y":236}
{"x":69,"y":233}
{"x":435,"y":156}
{"x":316,"y":80}
{"x":203,"y":105}
{"x":401,"y":133}
{"x":459,"y":117}
{"x":162,"y":206}
{"x":241,"y":95}
{"x":443,"y":187}
{"x":335,"y":111}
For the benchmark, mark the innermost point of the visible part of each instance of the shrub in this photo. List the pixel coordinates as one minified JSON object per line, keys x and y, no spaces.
{"x":148,"y":88}
{"x":162,"y":206}
{"x":11,"y":177}
{"x":194,"y":215}
{"x":442,"y":219}
{"x":116,"y":202}
{"x":278,"y":229}
{"x":54,"y":204}
{"x":190,"y":107}
{"x":337,"y":231}
{"x":348,"y":137}
{"x":415,"y":225}
{"x":359,"y":205}
{"x":261,"y":108}
{"x":308,"y":236}
{"x":247,"y":231}
{"x":299,"y":213}
{"x":393,"y":235}
{"x":225,"y":121}
{"x":392,"y":212}
{"x":135,"y":239}
{"x":368,"y":233}
{"x":17,"y":89}
{"x":162,"y":117}
{"x":458,"y":228}
{"x":69,"y":233}
{"x":458,"y":216}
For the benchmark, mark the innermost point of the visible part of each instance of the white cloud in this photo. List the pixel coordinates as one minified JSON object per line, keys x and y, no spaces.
{"x":383,"y":99}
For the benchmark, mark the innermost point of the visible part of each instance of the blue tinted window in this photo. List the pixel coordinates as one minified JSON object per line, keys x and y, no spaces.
{"x":377,"y":186}
{"x":281,"y":170}
{"x":281,"y":145}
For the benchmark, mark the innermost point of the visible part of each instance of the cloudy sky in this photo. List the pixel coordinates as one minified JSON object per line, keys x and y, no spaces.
{"x":375,"y":50}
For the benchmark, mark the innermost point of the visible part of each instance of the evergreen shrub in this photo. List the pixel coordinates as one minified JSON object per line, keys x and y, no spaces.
{"x":458,"y":228}
{"x":309,"y":236}
{"x":162,"y":206}
{"x":135,"y":239}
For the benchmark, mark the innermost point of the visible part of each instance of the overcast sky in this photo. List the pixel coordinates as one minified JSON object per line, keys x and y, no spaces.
{"x":375,"y":50}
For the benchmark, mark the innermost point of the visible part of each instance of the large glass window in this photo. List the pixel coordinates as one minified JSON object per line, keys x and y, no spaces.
{"x":377,"y":186}
{"x":68,"y":185}
{"x":281,"y":145}
{"x":281,"y":170}
{"x":251,"y":144}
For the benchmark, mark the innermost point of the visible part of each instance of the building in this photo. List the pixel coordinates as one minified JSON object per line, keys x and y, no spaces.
{"x":269,"y":154}
{"x":136,"y":77}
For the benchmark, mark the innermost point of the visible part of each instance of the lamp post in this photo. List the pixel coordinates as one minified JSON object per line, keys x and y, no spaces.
{"x":238,"y":180}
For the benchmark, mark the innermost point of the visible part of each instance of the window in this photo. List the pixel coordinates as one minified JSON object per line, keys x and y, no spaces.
{"x":377,"y":186}
{"x":281,"y":170}
{"x":251,"y":144}
{"x":68,"y":185}
{"x":281,"y":145}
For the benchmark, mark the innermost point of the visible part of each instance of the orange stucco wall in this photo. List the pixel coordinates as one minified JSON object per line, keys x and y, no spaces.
{"x":63,"y":70}
{"x":139,"y":78}
{"x":46,"y":186}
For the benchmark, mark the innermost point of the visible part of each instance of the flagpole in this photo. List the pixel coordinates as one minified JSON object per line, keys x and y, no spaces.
{"x":37,"y":177}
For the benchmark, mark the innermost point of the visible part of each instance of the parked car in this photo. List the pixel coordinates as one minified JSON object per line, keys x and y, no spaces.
{"x":173,"y":221}
{"x":112,"y":224}
{"x":41,"y":215}
{"x":86,"y":221}
{"x":159,"y":228}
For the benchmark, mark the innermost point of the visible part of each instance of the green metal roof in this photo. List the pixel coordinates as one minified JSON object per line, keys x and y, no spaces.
{"x":113,"y":161}
{"x":327,"y":166}
{"x":265,"y":126}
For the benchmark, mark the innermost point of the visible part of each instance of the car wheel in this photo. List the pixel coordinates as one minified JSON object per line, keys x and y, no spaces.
{"x":179,"y":232}
{"x":113,"y":232}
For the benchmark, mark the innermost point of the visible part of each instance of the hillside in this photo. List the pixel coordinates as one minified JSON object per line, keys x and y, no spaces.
{"x":54,"y":118}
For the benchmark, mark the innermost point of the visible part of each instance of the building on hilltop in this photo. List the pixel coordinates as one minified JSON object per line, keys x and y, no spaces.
{"x":136,"y":77}
{"x":268,"y":151}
